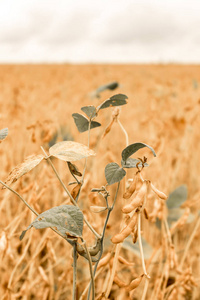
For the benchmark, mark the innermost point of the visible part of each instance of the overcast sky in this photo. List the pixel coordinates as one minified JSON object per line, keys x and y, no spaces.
{"x":110,"y":31}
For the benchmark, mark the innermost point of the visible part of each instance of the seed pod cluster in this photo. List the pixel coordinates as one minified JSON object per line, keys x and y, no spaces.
{"x":137,"y":200}
{"x":132,"y":223}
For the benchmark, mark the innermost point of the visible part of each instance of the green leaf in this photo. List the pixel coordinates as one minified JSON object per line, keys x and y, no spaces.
{"x":177,"y":197}
{"x":89,"y":110}
{"x":158,"y":223}
{"x":131,"y":163}
{"x":110,"y":86}
{"x":175,"y":214}
{"x":67,"y":219}
{"x":131,"y":149}
{"x":82,"y":123}
{"x":3,"y":133}
{"x":116,"y":100}
{"x":134,"y":248}
{"x":70,"y":151}
{"x":114,"y":173}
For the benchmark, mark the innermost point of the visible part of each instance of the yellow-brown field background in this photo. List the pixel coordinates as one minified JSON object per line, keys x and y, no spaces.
{"x":162,"y":111}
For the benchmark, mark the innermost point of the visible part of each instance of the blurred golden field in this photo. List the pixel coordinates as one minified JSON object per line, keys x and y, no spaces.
{"x":163,"y":110}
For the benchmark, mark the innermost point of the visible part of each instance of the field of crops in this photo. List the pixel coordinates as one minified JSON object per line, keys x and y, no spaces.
{"x":37,"y":103}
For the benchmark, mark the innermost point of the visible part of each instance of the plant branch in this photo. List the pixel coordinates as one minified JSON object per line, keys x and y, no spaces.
{"x":32,"y":209}
{"x":147,"y":277}
{"x":68,"y":193}
{"x":140,"y":245}
{"x":85,"y":166}
{"x":90,"y":267}
{"x":74,"y":271}
{"x":103,"y":233}
{"x":18,"y":195}
{"x":112,"y":275}
{"x":124,"y":131}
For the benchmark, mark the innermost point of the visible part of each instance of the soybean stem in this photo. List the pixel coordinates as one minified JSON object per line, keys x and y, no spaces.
{"x":68,"y":193}
{"x":74,"y":271}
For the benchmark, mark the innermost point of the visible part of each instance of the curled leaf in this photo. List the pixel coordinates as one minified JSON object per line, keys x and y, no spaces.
{"x":131,"y":149}
{"x":23,"y":168}
{"x":67,"y":219}
{"x":73,"y":168}
{"x":70,"y":151}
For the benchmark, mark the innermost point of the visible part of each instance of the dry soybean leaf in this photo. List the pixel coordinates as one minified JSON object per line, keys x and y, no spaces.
{"x":114,"y":173}
{"x":89,"y":110}
{"x":74,"y":169}
{"x":23,"y":168}
{"x":116,"y":100}
{"x":131,"y":149}
{"x":3,"y":134}
{"x":67,"y":219}
{"x":70,"y":151}
{"x":82,"y":123}
{"x":75,"y":191}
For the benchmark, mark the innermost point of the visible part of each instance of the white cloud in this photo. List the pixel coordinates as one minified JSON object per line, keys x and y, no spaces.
{"x":99,"y":31}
